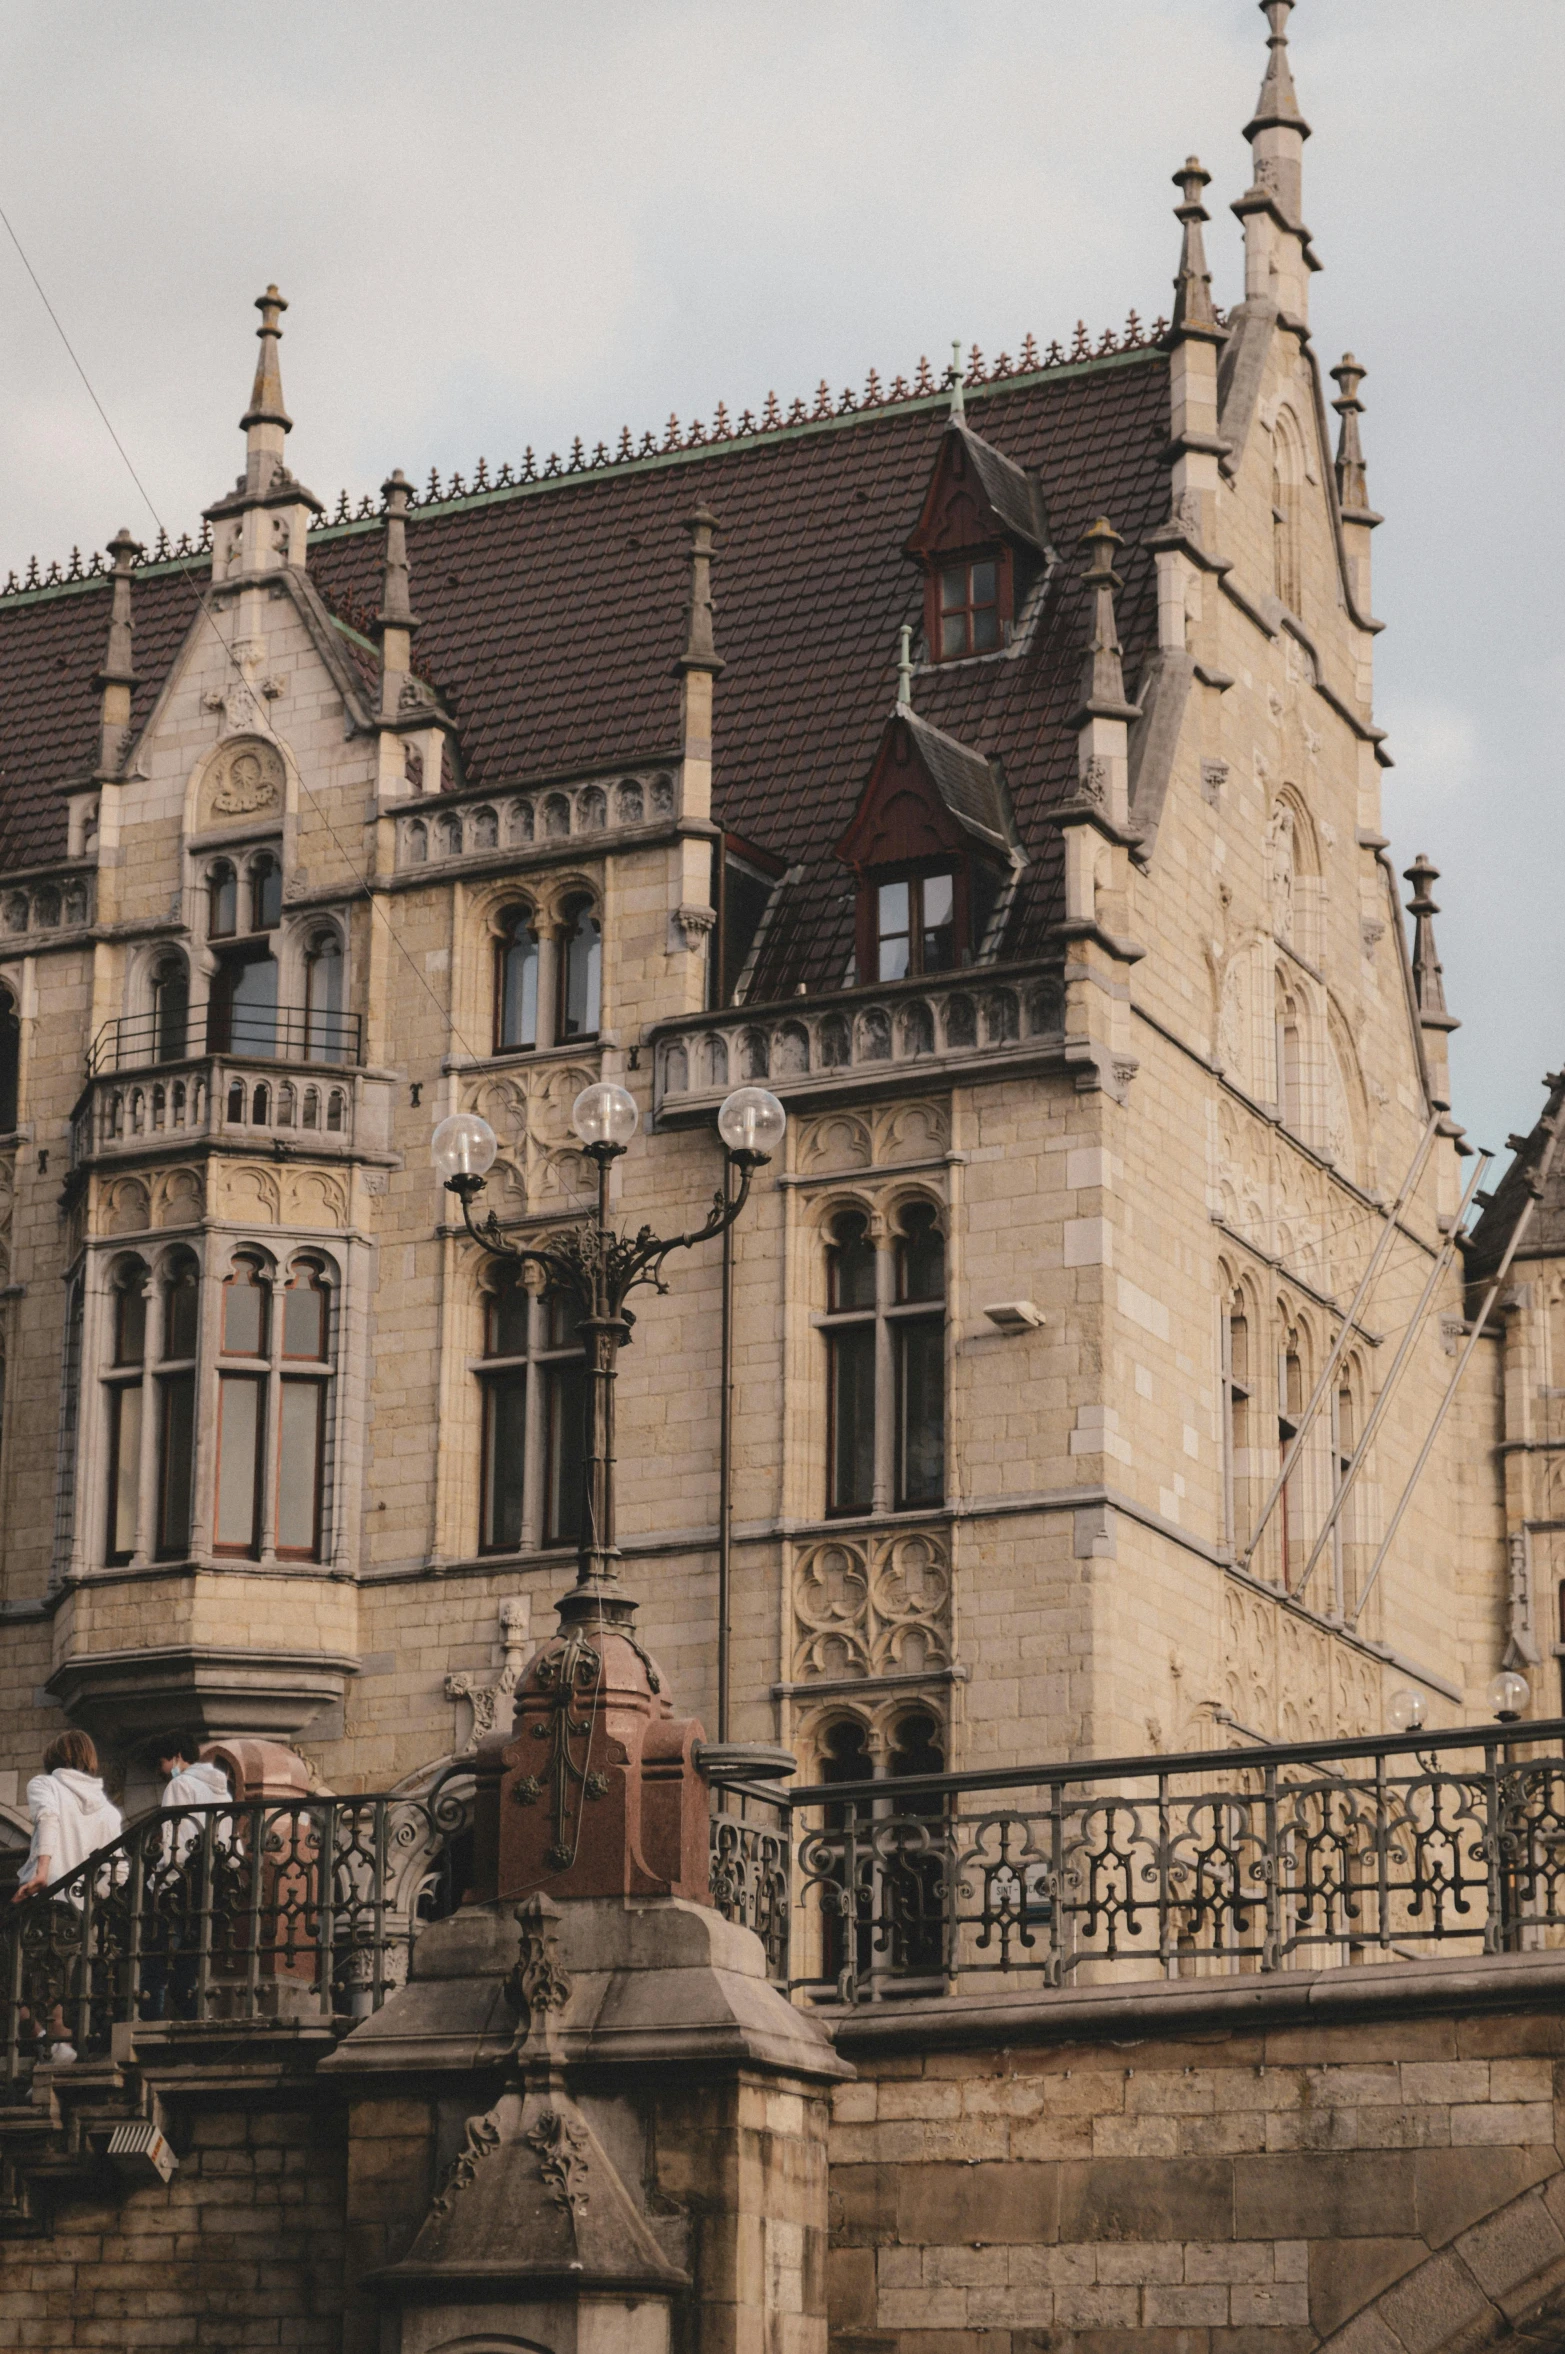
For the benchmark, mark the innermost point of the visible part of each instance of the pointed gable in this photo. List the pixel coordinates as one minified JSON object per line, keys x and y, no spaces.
{"x":976,"y":495}
{"x":927,"y":796}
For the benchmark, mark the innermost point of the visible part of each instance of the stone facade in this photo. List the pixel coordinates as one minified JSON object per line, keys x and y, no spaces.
{"x":1169,"y":1108}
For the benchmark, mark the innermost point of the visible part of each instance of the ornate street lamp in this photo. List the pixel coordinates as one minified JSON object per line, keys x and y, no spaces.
{"x":598,"y":1268}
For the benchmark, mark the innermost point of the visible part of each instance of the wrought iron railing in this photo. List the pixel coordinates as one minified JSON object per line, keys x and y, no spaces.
{"x":283,"y":1033}
{"x":752,"y":1848}
{"x":244,"y":1912}
{"x":1291,"y":1857}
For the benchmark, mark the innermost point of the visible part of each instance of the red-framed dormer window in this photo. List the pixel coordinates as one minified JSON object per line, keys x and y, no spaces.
{"x":969,"y":606}
{"x":917,"y":919}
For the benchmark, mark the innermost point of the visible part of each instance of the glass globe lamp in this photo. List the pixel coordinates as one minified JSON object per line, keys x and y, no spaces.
{"x":751,"y":1121}
{"x":605,"y":1115}
{"x":1509,"y":1695}
{"x":463,"y":1150}
{"x":1406,"y":1709}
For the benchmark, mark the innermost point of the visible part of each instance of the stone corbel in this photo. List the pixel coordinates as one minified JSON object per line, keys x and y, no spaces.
{"x":688,"y":929}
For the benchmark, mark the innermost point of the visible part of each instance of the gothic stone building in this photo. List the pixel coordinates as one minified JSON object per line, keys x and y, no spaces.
{"x":1070,"y":940}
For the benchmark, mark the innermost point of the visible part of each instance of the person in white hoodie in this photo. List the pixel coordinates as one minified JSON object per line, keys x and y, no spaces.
{"x":72,"y":1817}
{"x":72,"y":1814}
{"x":189,"y":1779}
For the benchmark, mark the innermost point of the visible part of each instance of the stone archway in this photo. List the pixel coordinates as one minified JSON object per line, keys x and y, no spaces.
{"x":1501,"y":2279}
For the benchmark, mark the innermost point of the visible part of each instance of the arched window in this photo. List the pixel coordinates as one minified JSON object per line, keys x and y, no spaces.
{"x":913,"y":1890}
{"x":241,"y":1404}
{"x":850,"y":1352}
{"x":1237,"y":1438}
{"x":124,"y":1381}
{"x":1344,"y":1438}
{"x":516,"y":982}
{"x":274,"y":1376}
{"x":323,"y":1025}
{"x":170,"y":1009}
{"x":533,"y":1377}
{"x":10,"y":1060}
{"x":581,"y":973}
{"x":845,"y":1758}
{"x":222,"y":901}
{"x":1290,"y":1410}
{"x":1290,"y":1064}
{"x":885,"y":1342}
{"x":176,"y":1393}
{"x":266,"y":892}
{"x":301,"y":1418}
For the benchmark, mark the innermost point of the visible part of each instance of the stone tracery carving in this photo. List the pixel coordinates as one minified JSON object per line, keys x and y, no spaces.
{"x":873,"y":1606}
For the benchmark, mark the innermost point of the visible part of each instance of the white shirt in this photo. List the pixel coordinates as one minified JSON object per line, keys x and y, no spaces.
{"x":194,"y":1785}
{"x":71,"y":1817}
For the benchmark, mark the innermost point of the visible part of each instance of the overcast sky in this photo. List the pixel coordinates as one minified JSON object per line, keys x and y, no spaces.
{"x":508,"y":224}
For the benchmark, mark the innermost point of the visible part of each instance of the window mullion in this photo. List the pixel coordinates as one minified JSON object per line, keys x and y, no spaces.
{"x":551,"y":960}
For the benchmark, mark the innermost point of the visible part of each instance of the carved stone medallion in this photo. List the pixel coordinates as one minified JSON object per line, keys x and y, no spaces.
{"x":245,"y":780}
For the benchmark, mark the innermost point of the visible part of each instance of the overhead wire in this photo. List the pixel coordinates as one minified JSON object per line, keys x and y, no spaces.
{"x":361,"y":878}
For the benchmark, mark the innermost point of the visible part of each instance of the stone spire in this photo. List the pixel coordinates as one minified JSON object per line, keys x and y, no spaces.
{"x":116,"y":681}
{"x":1193,"y":312}
{"x":1428,"y":980}
{"x":1276,"y":243}
{"x":1352,"y":484}
{"x":395,"y":621}
{"x":266,"y":421}
{"x":1103,"y":677}
{"x":700,"y":649}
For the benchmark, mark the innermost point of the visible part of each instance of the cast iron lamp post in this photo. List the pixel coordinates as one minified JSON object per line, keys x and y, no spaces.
{"x":597,"y":1268}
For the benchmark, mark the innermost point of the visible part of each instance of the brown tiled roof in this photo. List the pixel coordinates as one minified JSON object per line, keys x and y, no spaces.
{"x":552,"y":618}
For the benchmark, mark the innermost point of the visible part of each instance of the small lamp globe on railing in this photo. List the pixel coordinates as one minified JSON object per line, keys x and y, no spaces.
{"x":605,"y":1117}
{"x":752,"y":1123}
{"x":1509,"y":1695}
{"x":463,"y":1150}
{"x":1406,"y":1709}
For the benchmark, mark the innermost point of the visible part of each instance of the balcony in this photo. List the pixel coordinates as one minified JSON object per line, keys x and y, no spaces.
{"x":861,"y":1041}
{"x":281,"y":1034}
{"x":138,"y":1098}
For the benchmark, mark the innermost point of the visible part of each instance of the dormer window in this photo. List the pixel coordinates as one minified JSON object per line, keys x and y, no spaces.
{"x":916,"y":926}
{"x":970,"y":610}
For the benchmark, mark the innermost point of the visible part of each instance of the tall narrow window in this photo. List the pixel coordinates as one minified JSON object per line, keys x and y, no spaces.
{"x":915,"y":1881}
{"x":581,"y":973}
{"x":242,"y":1010}
{"x":1290,"y":1070}
{"x":323,"y":1024}
{"x":507,"y":1313}
{"x":10,"y":1060}
{"x":241,"y":1408}
{"x":846,"y":1931}
{"x":564,"y":1427}
{"x":851,"y":1369}
{"x":1237,"y":1441}
{"x":1344,"y":1438}
{"x":1290,"y":1407}
{"x":266,"y":892}
{"x":918,"y":1345}
{"x":301,"y":1420}
{"x":516,"y":982}
{"x":125,"y":1383}
{"x":170,"y":1009}
{"x":222,"y":901}
{"x":176,"y":1395}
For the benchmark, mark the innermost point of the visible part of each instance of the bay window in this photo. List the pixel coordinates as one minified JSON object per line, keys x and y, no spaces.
{"x":533,"y":1380}
{"x":885,"y":1364}
{"x":255,"y":1369}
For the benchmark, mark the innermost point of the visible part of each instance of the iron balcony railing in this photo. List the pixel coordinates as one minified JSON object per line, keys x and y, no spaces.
{"x":284,"y":1034}
{"x":247,"y":1911}
{"x":1290,"y":1857}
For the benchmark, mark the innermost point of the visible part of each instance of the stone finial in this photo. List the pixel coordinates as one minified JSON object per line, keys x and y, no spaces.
{"x":1352,"y":481}
{"x":266,"y":394}
{"x":954,"y":382}
{"x":396,"y":611}
{"x":1278,"y":106}
{"x":700,"y":649}
{"x":905,"y":667}
{"x":116,"y":681}
{"x":1103,"y":676}
{"x":1428,"y":980}
{"x":1193,"y":312}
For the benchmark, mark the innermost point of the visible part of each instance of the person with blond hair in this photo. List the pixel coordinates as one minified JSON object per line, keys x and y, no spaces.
{"x":71,"y":1812}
